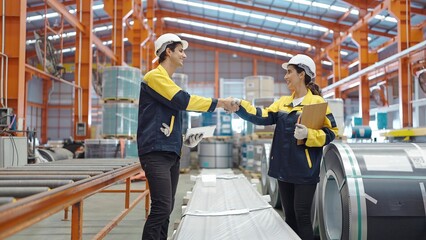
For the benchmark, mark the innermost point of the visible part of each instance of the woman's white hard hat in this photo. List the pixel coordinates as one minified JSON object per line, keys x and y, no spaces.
{"x":302,"y":61}
{"x":166,"y":39}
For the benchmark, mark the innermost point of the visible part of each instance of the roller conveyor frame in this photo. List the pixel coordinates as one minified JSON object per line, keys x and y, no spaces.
{"x":16,"y":216}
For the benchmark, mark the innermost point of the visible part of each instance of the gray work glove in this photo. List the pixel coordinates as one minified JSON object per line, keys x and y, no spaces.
{"x":193,"y":140}
{"x":300,"y":132}
{"x":165,"y":129}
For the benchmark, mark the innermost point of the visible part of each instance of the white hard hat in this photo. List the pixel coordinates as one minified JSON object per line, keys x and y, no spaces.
{"x":166,"y":39}
{"x":304,"y":62}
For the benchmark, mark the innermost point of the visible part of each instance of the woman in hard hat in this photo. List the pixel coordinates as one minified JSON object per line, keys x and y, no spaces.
{"x":296,"y":167}
{"x":159,"y":134}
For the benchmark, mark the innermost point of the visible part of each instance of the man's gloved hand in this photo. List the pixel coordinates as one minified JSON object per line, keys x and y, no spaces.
{"x":193,"y":140}
{"x":300,"y":132}
{"x":165,"y":129}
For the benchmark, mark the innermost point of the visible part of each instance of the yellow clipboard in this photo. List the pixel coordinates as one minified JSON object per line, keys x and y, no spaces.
{"x":313,"y":116}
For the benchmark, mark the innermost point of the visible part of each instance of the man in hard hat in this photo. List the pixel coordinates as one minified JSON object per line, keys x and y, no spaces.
{"x":159,"y":135}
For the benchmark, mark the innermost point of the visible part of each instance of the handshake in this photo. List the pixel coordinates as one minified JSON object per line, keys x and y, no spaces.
{"x":230,"y":104}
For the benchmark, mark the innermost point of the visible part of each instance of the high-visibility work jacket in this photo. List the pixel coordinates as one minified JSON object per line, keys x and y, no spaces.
{"x":290,"y":162}
{"x":162,"y":101}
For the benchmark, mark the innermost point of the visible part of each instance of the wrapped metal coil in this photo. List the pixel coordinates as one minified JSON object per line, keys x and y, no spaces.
{"x":372,"y":191}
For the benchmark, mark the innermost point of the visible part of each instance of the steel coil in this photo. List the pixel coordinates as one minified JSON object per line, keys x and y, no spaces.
{"x":372,"y":191}
{"x":215,"y":154}
{"x":271,"y":184}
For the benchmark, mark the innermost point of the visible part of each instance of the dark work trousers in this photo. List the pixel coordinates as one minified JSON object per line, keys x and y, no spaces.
{"x":296,"y":200}
{"x":162,"y":172}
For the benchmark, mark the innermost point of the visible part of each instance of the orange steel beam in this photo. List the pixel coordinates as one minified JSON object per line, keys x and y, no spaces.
{"x":177,"y":30}
{"x":30,"y":210}
{"x":400,"y":10}
{"x":339,"y":39}
{"x":43,"y":75}
{"x":68,"y":44}
{"x":360,"y":37}
{"x":254,"y":67}
{"x":12,"y":47}
{"x":360,"y":4}
{"x":163,"y":13}
{"x":71,"y":19}
{"x":61,"y":9}
{"x":69,"y":28}
{"x":381,"y":34}
{"x":272,"y":59}
{"x":83,"y":70}
{"x":337,"y":27}
{"x":418,"y":11}
{"x":41,"y":7}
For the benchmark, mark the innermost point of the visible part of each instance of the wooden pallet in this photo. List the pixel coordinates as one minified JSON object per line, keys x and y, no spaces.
{"x":263,"y":135}
{"x":120,"y":100}
{"x":118,"y":136}
{"x":218,"y":138}
{"x":249,"y":173}
{"x":184,"y":170}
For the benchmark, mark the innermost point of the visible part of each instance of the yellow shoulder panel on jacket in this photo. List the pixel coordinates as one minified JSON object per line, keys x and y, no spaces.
{"x":161,"y":83}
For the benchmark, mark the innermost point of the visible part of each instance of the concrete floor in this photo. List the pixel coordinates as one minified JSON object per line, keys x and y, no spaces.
{"x":100,"y":208}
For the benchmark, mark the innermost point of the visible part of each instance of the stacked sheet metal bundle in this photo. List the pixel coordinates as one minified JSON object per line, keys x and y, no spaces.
{"x":226,"y":206}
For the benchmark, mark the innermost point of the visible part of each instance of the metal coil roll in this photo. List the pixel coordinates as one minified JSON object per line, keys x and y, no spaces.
{"x":215,"y":154}
{"x":269,"y":184}
{"x":372,"y":191}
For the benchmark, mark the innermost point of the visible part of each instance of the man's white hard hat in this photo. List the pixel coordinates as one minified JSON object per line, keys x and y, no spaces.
{"x":166,"y":39}
{"x":304,"y":62}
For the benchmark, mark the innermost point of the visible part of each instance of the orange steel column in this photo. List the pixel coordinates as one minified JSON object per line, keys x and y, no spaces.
{"x":47,"y":85}
{"x":334,"y":56}
{"x":319,"y":79}
{"x":144,"y":53}
{"x":401,"y":10}
{"x":83,"y":68}
{"x":216,"y":74}
{"x":134,"y":34}
{"x":77,"y":221}
{"x":12,"y":47}
{"x":115,"y":10}
{"x":254,"y":66}
{"x":360,"y":38}
{"x":150,"y":48}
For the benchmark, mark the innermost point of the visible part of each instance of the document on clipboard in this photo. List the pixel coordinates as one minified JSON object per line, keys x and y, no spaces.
{"x":313,"y":116}
{"x":207,"y":131}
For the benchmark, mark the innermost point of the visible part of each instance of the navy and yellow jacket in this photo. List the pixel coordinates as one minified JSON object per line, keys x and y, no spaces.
{"x":162,"y":101}
{"x":290,"y":162}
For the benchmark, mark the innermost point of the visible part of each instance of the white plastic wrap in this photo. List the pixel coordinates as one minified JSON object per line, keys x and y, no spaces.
{"x":231,"y":209}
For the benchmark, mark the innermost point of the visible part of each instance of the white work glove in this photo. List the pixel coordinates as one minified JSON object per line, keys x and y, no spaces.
{"x":236,"y":101}
{"x":301,"y":131}
{"x":165,"y":129}
{"x":193,"y":140}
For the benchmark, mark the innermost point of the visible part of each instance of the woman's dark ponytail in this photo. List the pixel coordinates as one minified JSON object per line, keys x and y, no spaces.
{"x":315,"y":89}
